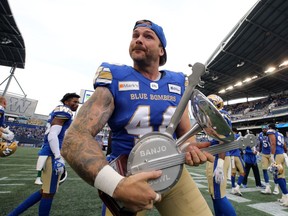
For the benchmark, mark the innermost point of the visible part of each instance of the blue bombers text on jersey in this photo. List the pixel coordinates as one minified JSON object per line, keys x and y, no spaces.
{"x":136,"y":99}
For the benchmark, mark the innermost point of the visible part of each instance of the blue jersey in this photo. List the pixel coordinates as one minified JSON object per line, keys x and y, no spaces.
{"x":63,"y":112}
{"x":2,"y":116}
{"x":141,"y":105}
{"x":264,"y":142}
{"x":279,"y":141}
{"x":249,"y":156}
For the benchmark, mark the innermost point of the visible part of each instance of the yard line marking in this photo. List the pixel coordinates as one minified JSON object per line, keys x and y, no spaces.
{"x":11,"y":184}
{"x":196,"y":174}
{"x":27,"y":171}
{"x":200,"y":185}
{"x":4,"y":178}
{"x":201,"y":181}
{"x":236,"y":198}
{"x":23,"y":175}
{"x":251,"y":189}
{"x":4,"y":192}
{"x":17,"y":165}
{"x":33,"y":179}
{"x":22,"y":179}
{"x":199,"y":177}
{"x":274,"y":208}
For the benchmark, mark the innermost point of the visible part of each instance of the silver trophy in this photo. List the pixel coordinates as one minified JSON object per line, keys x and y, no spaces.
{"x":160,"y":151}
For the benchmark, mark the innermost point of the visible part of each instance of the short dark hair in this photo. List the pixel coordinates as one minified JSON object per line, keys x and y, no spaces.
{"x":234,"y":129}
{"x":68,"y":96}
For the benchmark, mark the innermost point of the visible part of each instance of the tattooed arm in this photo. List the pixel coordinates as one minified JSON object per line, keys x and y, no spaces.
{"x":84,"y":155}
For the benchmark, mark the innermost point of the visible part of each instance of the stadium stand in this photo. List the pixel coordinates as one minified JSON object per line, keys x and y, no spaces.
{"x":28,"y":134}
{"x":241,"y":67}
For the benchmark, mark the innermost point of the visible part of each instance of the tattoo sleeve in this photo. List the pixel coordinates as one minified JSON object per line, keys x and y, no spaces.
{"x":79,"y":148}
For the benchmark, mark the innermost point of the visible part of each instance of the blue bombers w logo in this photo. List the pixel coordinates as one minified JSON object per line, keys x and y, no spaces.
{"x":19,"y":105}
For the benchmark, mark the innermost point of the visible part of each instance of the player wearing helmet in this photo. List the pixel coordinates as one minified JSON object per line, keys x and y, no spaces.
{"x":217,"y":101}
{"x":217,"y":171}
{"x":278,"y":148}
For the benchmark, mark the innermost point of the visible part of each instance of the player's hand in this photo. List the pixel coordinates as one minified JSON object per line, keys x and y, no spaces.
{"x":59,"y":165}
{"x":194,"y":156}
{"x":135,"y":193}
{"x":219,"y":171}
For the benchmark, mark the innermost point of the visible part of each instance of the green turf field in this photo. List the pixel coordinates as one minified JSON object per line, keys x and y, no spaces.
{"x":75,"y":197}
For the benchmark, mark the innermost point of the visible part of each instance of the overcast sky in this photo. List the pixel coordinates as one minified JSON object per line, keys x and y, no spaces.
{"x":66,"y":40}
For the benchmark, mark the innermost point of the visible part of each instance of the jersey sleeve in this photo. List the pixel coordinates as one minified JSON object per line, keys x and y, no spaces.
{"x":62,"y":112}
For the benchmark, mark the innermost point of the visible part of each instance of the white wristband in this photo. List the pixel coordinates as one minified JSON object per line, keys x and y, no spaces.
{"x":107,"y":180}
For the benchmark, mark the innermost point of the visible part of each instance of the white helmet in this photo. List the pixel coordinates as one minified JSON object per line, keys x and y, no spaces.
{"x":216,"y":100}
{"x":7,"y":148}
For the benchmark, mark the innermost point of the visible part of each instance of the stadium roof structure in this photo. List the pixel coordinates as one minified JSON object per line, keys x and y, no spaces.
{"x":239,"y":65}
{"x":12,"y":47}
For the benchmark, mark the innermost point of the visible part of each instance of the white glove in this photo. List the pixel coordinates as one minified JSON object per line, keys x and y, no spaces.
{"x":271,"y":168}
{"x":59,"y":166}
{"x":7,"y":130}
{"x":286,"y":159}
{"x":219,"y":171}
{"x":8,"y":136}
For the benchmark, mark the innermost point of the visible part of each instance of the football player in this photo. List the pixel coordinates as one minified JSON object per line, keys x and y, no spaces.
{"x":135,"y":100}
{"x":6,"y":135}
{"x":250,"y":160}
{"x":217,"y":172}
{"x":265,"y":149}
{"x":278,"y":148}
{"x":237,"y":164}
{"x":58,"y":122}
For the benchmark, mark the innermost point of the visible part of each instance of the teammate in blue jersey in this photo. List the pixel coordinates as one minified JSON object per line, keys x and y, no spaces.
{"x":264,"y":148}
{"x":278,"y":148}
{"x":135,"y":101}
{"x":237,"y":165}
{"x":217,"y":172}
{"x":250,"y":160}
{"x":58,"y":122}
